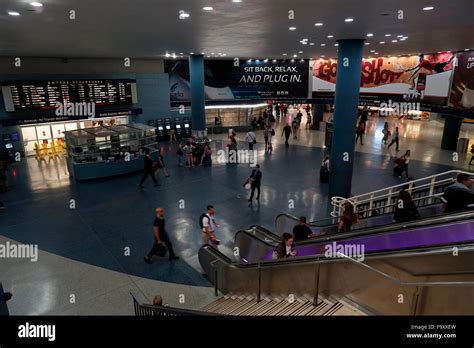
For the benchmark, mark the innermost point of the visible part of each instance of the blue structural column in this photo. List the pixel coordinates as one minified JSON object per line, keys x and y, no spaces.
{"x":317,"y":116}
{"x":452,"y":128}
{"x":198,"y":103}
{"x":349,"y":64}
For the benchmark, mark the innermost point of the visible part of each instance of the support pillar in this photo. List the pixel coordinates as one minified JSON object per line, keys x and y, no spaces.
{"x":198,"y":102}
{"x":452,"y":128}
{"x":348,"y":75}
{"x":318,"y":116}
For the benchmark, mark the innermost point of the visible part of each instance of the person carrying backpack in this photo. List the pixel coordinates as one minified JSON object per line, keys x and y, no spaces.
{"x":208,"y":227}
{"x":251,"y":139}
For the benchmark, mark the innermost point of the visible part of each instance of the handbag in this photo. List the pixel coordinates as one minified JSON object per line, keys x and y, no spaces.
{"x":161,"y":250}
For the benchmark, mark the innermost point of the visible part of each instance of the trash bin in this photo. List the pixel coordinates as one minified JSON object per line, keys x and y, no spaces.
{"x":463,"y":144}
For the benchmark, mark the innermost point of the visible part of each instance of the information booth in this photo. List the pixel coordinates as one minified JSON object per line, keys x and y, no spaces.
{"x":105,"y":151}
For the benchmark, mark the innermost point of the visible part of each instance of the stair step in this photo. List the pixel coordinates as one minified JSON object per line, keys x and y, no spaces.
{"x":231,"y":307}
{"x":292,"y":309}
{"x":212,"y":305}
{"x":318,"y":310}
{"x":239,"y":310}
{"x":255,"y":308}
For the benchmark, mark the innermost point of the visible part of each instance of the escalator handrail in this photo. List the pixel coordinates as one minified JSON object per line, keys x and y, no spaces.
{"x":266,"y":231}
{"x":401,"y":283}
{"x":423,"y":222}
{"x":253,"y":237}
{"x":313,"y":259}
{"x":319,"y":223}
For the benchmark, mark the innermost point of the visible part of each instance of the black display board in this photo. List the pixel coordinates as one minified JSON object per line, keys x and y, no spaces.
{"x":41,"y":95}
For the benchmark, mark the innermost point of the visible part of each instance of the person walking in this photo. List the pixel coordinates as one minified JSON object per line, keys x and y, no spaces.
{"x":161,"y":164}
{"x":287,"y":131}
{"x":173,"y":135}
{"x":208,"y":227}
{"x":266,"y":134}
{"x":251,"y":139}
{"x":294,"y":126}
{"x":395,"y":139}
{"x":308,"y":120}
{"x":255,"y":180}
{"x":206,"y":159}
{"x":360,"y":132}
{"x":160,"y":236}
{"x":148,"y":169}
{"x":386,"y":133}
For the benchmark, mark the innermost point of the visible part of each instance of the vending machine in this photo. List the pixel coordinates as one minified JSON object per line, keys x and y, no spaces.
{"x":8,"y":148}
{"x":168,"y":127}
{"x":160,"y":130}
{"x":178,"y":126}
{"x":187,"y":127}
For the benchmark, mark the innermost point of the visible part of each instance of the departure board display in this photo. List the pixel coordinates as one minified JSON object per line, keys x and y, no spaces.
{"x":43,"y":95}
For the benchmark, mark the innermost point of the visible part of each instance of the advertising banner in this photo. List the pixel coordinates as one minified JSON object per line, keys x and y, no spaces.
{"x":248,"y":80}
{"x":422,"y":78}
{"x":462,"y":89}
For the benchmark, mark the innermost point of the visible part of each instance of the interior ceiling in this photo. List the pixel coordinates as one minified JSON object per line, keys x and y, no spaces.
{"x":250,"y":29}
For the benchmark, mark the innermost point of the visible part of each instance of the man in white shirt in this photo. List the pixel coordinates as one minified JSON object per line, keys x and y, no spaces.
{"x":251,"y":139}
{"x":209,"y":227}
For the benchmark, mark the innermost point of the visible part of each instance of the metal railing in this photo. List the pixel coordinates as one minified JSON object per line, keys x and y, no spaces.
{"x":424,"y":192}
{"x":145,"y":310}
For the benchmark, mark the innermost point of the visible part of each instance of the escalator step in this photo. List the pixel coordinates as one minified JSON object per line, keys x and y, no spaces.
{"x":255,"y":308}
{"x":318,"y":310}
{"x":212,"y":305}
{"x":246,"y":307}
{"x":235,"y":306}
{"x":302,"y":309}
{"x":292,"y":309}
{"x":333,"y":309}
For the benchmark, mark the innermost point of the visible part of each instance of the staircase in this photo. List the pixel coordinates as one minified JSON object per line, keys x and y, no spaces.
{"x":241,"y":305}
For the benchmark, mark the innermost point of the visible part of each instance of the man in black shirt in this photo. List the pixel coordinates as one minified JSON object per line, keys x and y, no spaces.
{"x":287,"y":131}
{"x":459,"y":196}
{"x":160,"y":235}
{"x":255,"y":180}
{"x":302,"y":231}
{"x":148,"y":169}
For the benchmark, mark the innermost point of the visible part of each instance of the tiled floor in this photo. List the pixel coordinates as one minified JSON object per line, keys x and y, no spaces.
{"x":84,"y":249}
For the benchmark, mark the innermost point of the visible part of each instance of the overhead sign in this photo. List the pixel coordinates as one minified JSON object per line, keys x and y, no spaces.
{"x":423,"y":78}
{"x":230,"y":79}
{"x":462,"y":89}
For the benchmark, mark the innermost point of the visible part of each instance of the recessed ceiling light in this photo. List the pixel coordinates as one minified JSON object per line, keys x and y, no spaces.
{"x":285,"y":54}
{"x":394,"y":40}
{"x":311,"y":43}
{"x":36,"y":4}
{"x":388,"y":35}
{"x":224,"y":54}
{"x":466,"y":49}
{"x":349,"y":20}
{"x":367,"y":43}
{"x":370,"y":34}
{"x":181,"y":53}
{"x":265,"y":60}
{"x":203,"y":53}
{"x":322,"y":56}
{"x":274,"y":60}
{"x":292,"y":28}
{"x":208,"y":8}
{"x":293,"y":60}
{"x":336,"y":44}
{"x":212,"y":53}
{"x":399,"y":35}
{"x":300,"y":52}
{"x":250,"y":61}
{"x":376,"y":53}
{"x":295,"y":55}
{"x":372,"y":51}
{"x":323,"y":45}
{"x":13,"y":13}
{"x":382,"y":42}
{"x":428,"y":8}
{"x":236,"y":0}
{"x":330,"y":36}
{"x":318,"y":24}
{"x":167,"y":55}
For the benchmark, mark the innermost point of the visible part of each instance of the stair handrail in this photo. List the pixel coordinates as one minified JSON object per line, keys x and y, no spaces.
{"x":402,"y":283}
{"x":388,"y":192}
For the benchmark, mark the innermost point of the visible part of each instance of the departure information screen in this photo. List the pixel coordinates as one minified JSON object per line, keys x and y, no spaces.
{"x":40,"y":95}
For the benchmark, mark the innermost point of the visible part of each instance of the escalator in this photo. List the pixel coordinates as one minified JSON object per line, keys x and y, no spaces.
{"x":265,"y":241}
{"x":422,"y":267}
